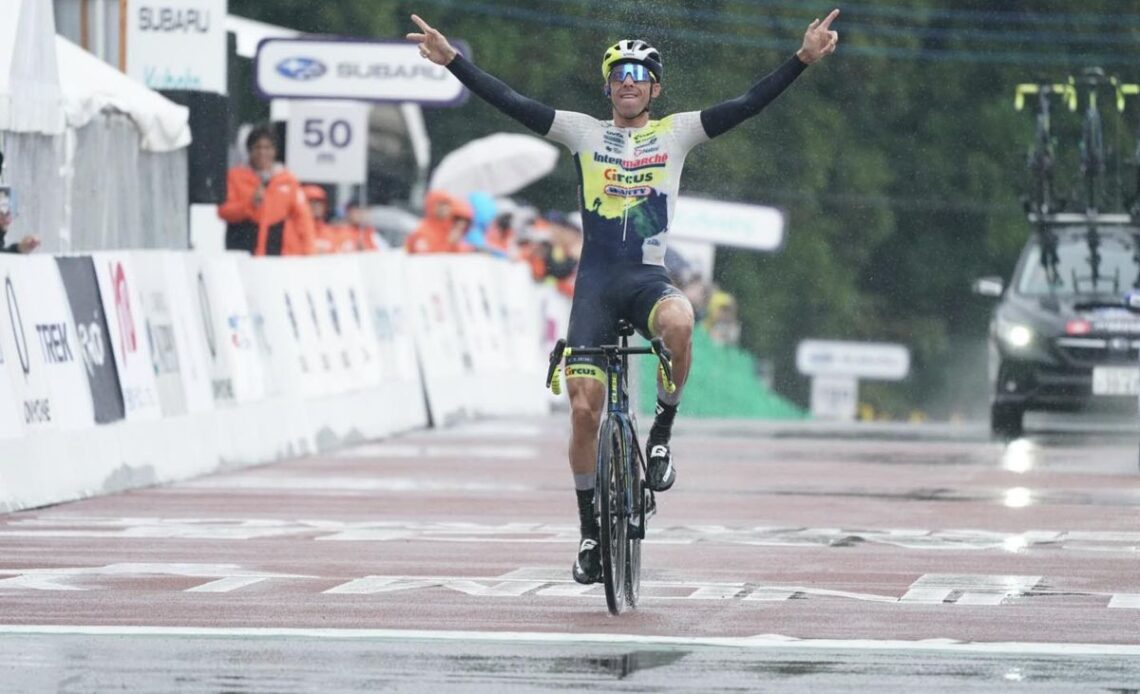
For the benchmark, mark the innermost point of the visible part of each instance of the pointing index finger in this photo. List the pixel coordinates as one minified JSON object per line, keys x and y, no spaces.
{"x":421,"y":23}
{"x":826,"y":24}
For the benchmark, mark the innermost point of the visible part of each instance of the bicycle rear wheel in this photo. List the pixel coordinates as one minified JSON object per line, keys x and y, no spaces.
{"x":613,"y":470}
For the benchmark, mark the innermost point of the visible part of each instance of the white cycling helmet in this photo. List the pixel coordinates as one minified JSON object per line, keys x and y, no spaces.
{"x":633,"y":51}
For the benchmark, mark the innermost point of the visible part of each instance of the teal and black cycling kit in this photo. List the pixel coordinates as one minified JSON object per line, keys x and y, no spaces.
{"x":628,"y":181}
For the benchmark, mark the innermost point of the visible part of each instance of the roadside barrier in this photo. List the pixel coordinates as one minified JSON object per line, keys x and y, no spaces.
{"x":126,"y":369}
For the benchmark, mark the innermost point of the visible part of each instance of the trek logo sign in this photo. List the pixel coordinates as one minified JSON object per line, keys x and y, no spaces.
{"x":358,"y":69}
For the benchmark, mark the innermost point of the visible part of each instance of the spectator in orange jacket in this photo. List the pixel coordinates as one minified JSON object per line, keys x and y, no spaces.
{"x":446,"y":220}
{"x":265,"y":209}
{"x":356,"y":233}
{"x":326,"y":237}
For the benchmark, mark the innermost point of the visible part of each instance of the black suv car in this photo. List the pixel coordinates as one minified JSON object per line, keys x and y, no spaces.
{"x":1061,"y":338}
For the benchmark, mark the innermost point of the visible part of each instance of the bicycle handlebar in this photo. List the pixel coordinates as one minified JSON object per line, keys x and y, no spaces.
{"x":656,"y":347}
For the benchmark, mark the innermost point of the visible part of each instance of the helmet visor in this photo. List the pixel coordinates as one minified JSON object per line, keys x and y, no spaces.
{"x":637,"y":71}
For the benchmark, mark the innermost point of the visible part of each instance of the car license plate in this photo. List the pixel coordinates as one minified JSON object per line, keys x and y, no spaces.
{"x":1116,"y":380}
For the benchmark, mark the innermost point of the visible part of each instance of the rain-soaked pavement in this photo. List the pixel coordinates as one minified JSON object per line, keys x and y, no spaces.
{"x":801,"y":557}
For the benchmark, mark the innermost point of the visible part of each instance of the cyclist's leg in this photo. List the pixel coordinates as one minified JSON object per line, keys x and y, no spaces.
{"x":592,"y":323}
{"x":660,"y":309}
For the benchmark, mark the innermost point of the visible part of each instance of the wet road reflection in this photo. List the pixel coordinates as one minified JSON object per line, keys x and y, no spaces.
{"x":285,"y":664}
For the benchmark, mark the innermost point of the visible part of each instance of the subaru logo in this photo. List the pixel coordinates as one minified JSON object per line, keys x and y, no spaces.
{"x":302,"y":69}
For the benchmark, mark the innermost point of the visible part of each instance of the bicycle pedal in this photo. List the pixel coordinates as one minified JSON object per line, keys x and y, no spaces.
{"x":650,"y":504}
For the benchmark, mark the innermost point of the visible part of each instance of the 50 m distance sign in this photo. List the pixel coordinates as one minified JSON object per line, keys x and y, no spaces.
{"x":327,"y":142}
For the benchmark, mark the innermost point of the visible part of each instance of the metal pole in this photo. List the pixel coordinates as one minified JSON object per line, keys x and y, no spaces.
{"x":100,"y":29}
{"x":84,"y":30}
{"x":122,"y":35}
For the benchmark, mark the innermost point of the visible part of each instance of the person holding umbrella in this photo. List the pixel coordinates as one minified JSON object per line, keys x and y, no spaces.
{"x":629,"y":172}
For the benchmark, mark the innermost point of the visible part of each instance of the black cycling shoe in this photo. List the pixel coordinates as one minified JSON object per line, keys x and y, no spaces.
{"x":660,"y":474}
{"x":588,"y":567}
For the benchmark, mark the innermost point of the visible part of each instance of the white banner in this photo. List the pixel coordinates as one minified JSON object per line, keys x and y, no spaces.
{"x":235,"y":364}
{"x":347,"y":295}
{"x":393,"y":314}
{"x":357,"y":69}
{"x":123,"y":305}
{"x":271,"y":292}
{"x":327,"y":142}
{"x":445,"y":359}
{"x":193,"y":359}
{"x":40,"y":347}
{"x":177,"y":44}
{"x":151,"y":279}
{"x":884,"y":361}
{"x":834,"y":397}
{"x":728,"y":224}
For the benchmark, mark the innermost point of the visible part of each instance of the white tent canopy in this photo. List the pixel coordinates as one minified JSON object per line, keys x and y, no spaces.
{"x":46,"y":86}
{"x":30,"y":97}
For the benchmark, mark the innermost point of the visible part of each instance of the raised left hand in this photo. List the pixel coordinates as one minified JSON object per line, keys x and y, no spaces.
{"x":819,"y":40}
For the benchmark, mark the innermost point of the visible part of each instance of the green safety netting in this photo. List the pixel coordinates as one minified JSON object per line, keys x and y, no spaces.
{"x":722,"y":383}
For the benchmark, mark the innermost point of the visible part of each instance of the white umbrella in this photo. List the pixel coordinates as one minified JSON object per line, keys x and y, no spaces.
{"x":498,"y":164}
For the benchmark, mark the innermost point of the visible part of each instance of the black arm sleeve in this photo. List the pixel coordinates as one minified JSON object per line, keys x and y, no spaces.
{"x":533,"y":114}
{"x":721,"y":118}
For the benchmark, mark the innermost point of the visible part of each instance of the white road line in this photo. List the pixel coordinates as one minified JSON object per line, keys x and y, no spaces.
{"x":758,"y":642}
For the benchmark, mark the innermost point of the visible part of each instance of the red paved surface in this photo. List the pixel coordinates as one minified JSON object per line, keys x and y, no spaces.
{"x":473,"y":530}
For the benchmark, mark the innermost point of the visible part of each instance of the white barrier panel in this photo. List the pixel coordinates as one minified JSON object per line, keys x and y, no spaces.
{"x":93,"y":335}
{"x":346,"y":296}
{"x":555,"y":311}
{"x":323,"y":322}
{"x":122,"y":303}
{"x":386,"y":285}
{"x":45,"y":366}
{"x":10,"y":424}
{"x":523,"y":327}
{"x":235,"y":365}
{"x":190,"y":340}
{"x":150,"y":278}
{"x":266,"y":284}
{"x":445,"y":359}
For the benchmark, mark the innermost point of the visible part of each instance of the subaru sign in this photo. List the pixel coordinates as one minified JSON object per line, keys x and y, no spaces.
{"x":356,"y":69}
{"x":301,"y":68}
{"x":874,"y":360}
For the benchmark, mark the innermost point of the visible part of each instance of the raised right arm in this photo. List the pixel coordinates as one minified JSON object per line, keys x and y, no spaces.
{"x":533,"y":114}
{"x":435,"y":47}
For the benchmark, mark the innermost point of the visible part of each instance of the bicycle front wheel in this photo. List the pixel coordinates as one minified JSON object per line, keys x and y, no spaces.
{"x":613,"y":451}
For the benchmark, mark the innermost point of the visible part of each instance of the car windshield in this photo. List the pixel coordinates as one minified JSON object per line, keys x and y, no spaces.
{"x":1116,"y":271}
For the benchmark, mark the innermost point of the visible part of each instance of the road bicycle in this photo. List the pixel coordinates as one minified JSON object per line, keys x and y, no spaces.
{"x":622,"y":501}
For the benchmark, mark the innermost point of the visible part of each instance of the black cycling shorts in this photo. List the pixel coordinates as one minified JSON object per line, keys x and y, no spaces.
{"x":601,"y":299}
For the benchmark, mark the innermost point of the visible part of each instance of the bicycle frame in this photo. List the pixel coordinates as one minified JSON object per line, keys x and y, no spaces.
{"x":625,"y":504}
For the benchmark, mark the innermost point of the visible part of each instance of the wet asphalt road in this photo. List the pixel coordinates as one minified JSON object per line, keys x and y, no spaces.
{"x":806,"y":557}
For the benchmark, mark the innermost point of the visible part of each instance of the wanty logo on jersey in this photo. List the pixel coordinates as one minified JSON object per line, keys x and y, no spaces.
{"x":128,"y":341}
{"x":301,"y":68}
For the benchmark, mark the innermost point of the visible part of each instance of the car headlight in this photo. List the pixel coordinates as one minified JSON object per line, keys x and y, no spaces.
{"x":1015,"y":335}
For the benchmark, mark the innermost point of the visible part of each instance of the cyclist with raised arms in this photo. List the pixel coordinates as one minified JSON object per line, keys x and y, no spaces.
{"x":629,"y":170}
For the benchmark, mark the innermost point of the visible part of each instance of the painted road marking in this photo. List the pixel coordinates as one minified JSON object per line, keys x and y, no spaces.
{"x":973,"y":589}
{"x":758,"y":642}
{"x":65,"y":526}
{"x":228,"y":577}
{"x":315,"y":484}
{"x":435,"y":450}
